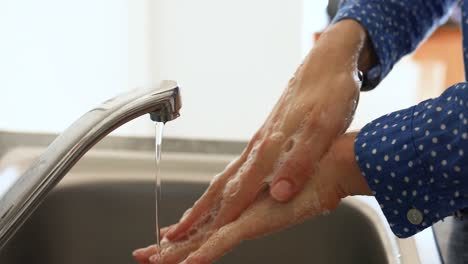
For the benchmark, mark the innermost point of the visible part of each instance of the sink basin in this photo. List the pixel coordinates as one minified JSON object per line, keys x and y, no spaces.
{"x":104,"y":208}
{"x":104,"y":222}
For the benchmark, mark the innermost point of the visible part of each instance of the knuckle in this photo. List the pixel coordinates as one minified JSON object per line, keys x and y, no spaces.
{"x":292,"y":167}
{"x":314,"y":121}
{"x":263,"y":146}
{"x":232,"y":187}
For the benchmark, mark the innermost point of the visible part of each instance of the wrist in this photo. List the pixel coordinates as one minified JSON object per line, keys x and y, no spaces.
{"x":350,"y":180}
{"x":345,"y":45}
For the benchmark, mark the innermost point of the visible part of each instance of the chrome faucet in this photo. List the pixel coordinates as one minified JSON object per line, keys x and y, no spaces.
{"x":25,"y":195}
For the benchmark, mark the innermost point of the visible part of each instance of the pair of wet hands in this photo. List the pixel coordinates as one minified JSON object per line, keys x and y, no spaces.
{"x":220,"y":219}
{"x":298,"y":165}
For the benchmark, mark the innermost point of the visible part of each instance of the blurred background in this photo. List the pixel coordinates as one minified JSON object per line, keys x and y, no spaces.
{"x":232,"y":59}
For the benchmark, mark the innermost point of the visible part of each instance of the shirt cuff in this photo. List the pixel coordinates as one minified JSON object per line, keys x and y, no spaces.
{"x":387,"y":161}
{"x":414,"y":161}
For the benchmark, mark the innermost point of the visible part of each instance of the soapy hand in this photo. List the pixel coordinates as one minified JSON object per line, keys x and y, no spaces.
{"x":337,"y":176}
{"x":316,"y":107}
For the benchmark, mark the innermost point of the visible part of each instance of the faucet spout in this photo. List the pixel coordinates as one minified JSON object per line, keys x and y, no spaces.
{"x":25,"y":195}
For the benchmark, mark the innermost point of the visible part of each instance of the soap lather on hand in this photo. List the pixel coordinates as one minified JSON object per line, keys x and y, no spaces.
{"x":337,"y":176}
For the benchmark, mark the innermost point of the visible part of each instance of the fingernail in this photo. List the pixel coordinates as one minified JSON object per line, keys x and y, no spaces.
{"x":282,"y":190}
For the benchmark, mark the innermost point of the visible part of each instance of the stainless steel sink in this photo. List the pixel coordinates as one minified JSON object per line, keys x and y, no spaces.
{"x":104,"y":208}
{"x":103,"y":222}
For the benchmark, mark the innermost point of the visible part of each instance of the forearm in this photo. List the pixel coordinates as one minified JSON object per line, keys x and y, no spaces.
{"x":342,"y":47}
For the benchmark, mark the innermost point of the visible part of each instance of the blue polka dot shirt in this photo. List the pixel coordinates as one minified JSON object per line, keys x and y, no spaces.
{"x":415,"y":160}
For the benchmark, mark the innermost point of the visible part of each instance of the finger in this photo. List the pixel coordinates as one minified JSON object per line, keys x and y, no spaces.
{"x":302,"y":153}
{"x":323,"y":191}
{"x":242,"y":189}
{"x":203,"y":205}
{"x":142,"y":255}
{"x":164,"y":230}
{"x":207,"y":201}
{"x":249,"y":225}
{"x":215,"y":247}
{"x":292,"y":174}
{"x":175,"y":252}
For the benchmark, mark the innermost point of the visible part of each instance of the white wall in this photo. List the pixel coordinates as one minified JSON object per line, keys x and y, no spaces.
{"x":231,"y":58}
{"x":58,"y":59}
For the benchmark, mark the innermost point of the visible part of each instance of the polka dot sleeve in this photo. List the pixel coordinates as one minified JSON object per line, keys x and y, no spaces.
{"x":416,"y":161}
{"x":395,"y":27}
